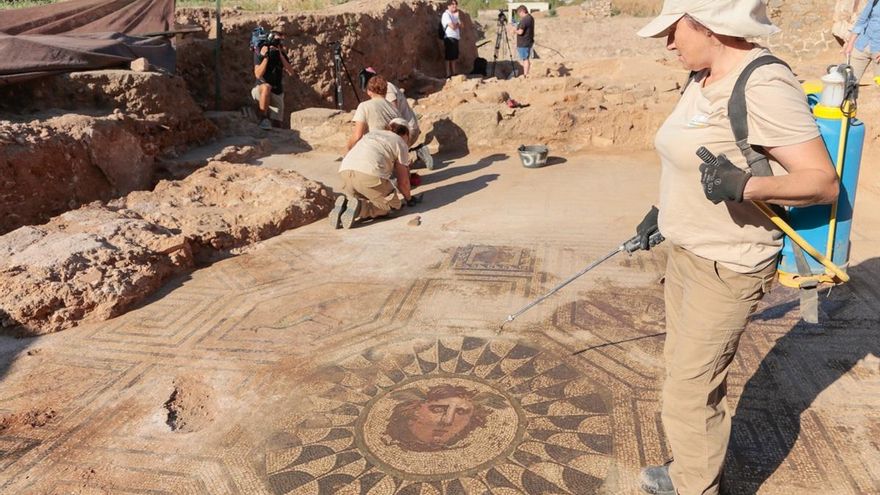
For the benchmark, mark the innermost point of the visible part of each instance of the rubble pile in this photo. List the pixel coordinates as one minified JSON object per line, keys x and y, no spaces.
{"x":95,"y":262}
{"x":222,"y":206}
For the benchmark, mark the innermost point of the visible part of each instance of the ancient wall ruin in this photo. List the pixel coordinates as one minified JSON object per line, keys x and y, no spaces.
{"x":76,"y":138}
{"x":396,"y":38}
{"x":806,"y":27}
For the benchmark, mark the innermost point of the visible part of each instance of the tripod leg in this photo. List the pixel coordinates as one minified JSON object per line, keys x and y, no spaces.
{"x":510,"y":52}
{"x":499,"y":28}
{"x":353,"y":87}
{"x":337,"y":77}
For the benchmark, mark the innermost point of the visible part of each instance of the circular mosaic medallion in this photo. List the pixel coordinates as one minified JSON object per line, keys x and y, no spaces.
{"x":439,"y":427}
{"x":451,"y":416}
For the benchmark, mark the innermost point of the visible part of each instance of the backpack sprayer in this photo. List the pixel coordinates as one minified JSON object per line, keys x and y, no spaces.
{"x":630,"y":246}
{"x":809,"y":229}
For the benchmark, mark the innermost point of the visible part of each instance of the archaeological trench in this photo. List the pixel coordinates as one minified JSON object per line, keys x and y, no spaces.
{"x":177,"y":317}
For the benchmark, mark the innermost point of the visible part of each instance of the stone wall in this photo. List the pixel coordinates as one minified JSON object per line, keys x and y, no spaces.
{"x":395,"y":37}
{"x":596,"y":9}
{"x":806,"y":27}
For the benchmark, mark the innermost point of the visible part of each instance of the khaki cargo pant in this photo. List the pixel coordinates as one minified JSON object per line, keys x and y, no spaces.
{"x":707,"y":308}
{"x":860,"y":60}
{"x":378,"y":196}
{"x":276,"y":103}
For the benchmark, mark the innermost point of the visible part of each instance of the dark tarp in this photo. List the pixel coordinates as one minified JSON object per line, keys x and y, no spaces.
{"x":83,"y":35}
{"x":28,"y":56}
{"x":132,"y":17}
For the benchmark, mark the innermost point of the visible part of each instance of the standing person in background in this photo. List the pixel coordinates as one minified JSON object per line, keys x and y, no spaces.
{"x":863,"y":45}
{"x":373,"y":114}
{"x":846,"y":12}
{"x":525,"y":37}
{"x":451,"y":23}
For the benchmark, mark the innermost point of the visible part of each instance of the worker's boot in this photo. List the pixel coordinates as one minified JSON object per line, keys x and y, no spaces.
{"x":655,"y":480}
{"x":336,"y":212}
{"x":424,"y":155}
{"x":351,"y":212}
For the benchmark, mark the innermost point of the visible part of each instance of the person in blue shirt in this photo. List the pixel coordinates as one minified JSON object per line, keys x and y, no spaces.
{"x":863,"y":45}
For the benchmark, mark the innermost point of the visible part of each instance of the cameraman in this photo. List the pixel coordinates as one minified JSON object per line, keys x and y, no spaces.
{"x":525,"y":37}
{"x":269,"y":62}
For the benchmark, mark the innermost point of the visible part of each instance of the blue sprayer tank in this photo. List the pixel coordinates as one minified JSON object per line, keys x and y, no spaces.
{"x":814,"y":222}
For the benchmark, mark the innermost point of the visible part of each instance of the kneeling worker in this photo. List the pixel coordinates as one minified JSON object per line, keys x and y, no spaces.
{"x":366,"y":173}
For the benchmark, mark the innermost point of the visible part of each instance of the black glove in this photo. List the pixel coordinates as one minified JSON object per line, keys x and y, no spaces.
{"x":723,"y":181}
{"x":648,"y":227}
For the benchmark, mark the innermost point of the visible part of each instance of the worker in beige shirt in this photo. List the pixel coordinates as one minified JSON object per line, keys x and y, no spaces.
{"x":373,"y":114}
{"x":366,"y":173}
{"x":722,"y":250}
{"x":397,"y":98}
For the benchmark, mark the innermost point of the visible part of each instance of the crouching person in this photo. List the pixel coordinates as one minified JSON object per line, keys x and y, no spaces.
{"x":366,"y":173}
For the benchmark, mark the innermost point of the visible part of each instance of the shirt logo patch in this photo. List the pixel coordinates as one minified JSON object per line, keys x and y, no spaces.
{"x":699,"y":121}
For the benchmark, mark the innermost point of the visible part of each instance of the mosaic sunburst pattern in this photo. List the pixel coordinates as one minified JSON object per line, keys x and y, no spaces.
{"x":450,"y":416}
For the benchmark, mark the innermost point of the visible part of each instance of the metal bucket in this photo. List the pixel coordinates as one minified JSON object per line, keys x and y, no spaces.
{"x":533,"y":156}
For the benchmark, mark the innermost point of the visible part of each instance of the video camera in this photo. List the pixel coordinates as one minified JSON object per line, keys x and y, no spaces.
{"x":260,"y":37}
{"x":502,"y":16}
{"x":272,"y":40}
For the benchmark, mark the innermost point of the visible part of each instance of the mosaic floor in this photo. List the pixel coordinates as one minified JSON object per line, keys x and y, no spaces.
{"x":310,"y":369}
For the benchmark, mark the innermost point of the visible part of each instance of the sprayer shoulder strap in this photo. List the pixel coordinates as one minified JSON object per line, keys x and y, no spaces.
{"x":737,"y":112}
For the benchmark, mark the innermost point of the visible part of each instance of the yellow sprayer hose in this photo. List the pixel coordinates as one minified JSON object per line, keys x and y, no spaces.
{"x":832,"y":223}
{"x":806,"y":246}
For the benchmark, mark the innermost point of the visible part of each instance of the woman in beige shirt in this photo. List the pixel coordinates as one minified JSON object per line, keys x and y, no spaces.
{"x":722,"y":250}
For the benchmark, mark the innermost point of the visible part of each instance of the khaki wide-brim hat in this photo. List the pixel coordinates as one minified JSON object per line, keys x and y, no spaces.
{"x":740,"y":18}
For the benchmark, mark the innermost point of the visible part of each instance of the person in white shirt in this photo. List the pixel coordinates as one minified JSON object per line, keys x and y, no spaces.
{"x":452,"y":26}
{"x":366,"y":173}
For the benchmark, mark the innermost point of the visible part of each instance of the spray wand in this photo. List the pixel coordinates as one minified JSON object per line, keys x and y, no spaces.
{"x":630,"y":246}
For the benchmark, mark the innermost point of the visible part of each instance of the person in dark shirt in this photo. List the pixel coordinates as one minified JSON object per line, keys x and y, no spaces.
{"x":270,"y":62}
{"x":525,"y":37}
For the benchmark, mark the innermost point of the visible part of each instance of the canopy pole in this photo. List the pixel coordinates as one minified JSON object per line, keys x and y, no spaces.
{"x":217,"y":47}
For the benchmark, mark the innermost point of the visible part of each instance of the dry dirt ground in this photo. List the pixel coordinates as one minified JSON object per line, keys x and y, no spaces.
{"x":368,"y":361}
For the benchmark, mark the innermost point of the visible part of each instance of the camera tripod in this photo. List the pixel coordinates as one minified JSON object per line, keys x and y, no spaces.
{"x":339,"y":69}
{"x":502,"y":33}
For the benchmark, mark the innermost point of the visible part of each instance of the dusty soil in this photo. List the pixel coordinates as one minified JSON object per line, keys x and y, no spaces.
{"x":37,"y":418}
{"x":190,"y":406}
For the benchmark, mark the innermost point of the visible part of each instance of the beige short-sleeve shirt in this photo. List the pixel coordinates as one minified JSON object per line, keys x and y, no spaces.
{"x":376,"y":153}
{"x":376,"y":112}
{"x":736,"y":235}
{"x":397,"y":98}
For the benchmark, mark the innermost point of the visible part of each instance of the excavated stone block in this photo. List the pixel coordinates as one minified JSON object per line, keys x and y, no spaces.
{"x":140,"y":65}
{"x":87,"y":264}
